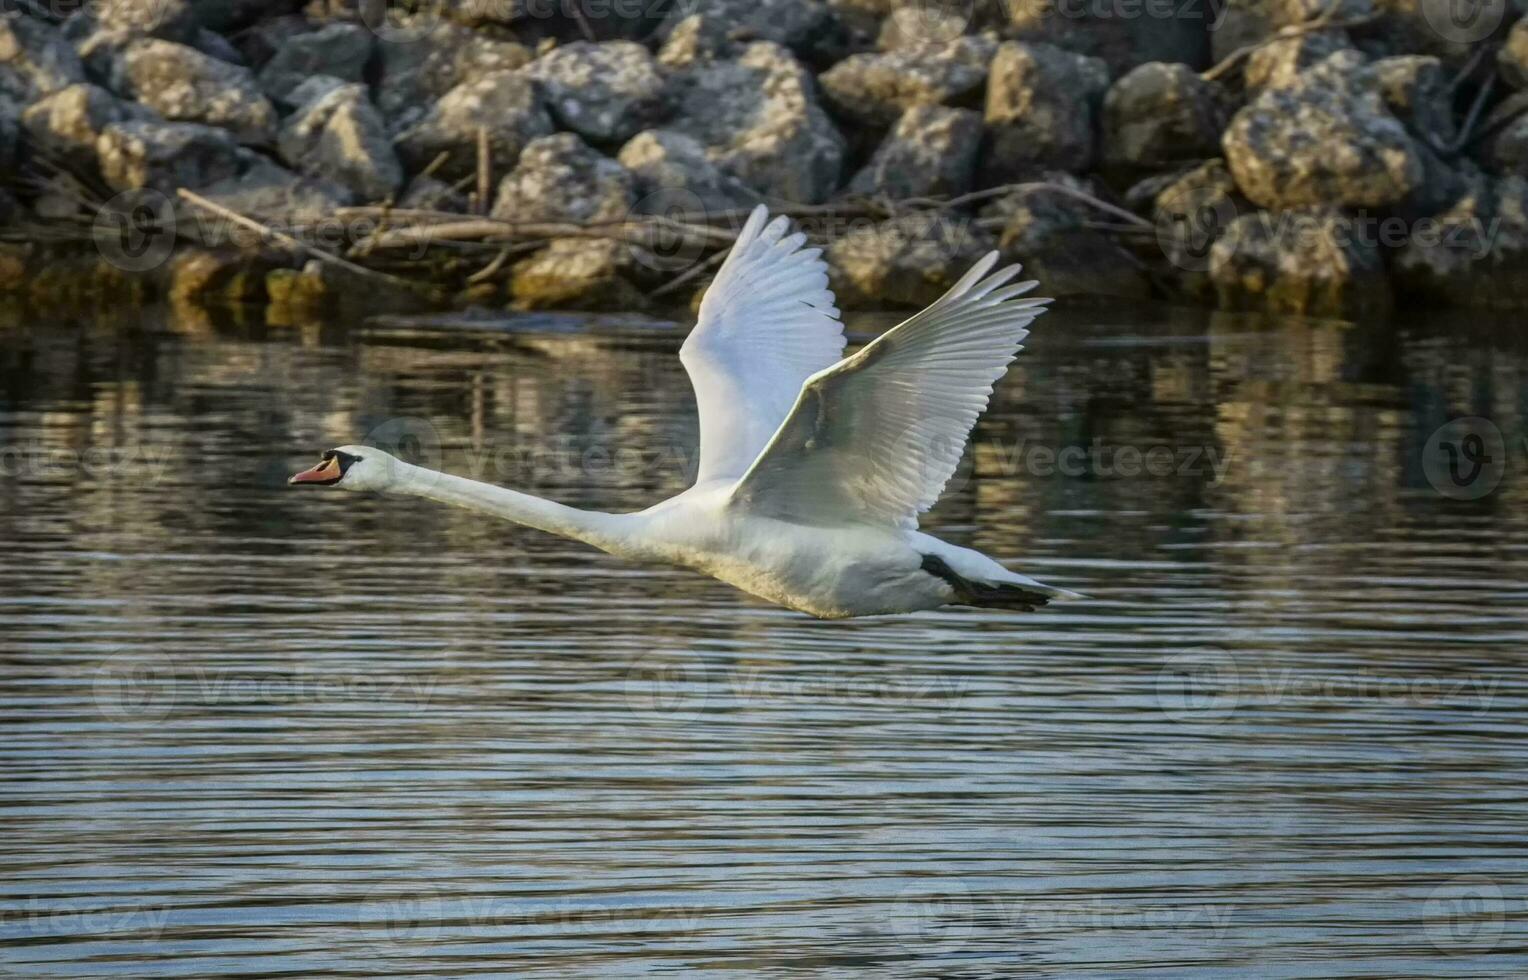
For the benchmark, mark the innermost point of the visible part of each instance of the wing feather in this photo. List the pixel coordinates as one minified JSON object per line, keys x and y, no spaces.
{"x":768,"y":322}
{"x":874,"y":438}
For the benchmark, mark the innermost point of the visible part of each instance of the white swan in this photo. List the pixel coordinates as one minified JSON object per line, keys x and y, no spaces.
{"x":813,"y":470}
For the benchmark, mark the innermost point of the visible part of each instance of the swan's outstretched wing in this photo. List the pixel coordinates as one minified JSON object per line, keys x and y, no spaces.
{"x":874,"y":438}
{"x":767,"y":323}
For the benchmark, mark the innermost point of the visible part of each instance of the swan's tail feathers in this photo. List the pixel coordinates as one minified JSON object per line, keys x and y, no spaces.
{"x":1021,"y":592}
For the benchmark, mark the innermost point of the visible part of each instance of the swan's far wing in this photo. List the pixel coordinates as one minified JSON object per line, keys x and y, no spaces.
{"x":767,"y":323}
{"x":874,"y":438}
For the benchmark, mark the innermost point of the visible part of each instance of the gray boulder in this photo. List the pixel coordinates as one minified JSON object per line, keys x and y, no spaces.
{"x":1451,"y":31}
{"x":561,"y":178}
{"x":931,"y":151}
{"x":1243,"y":23}
{"x":35,"y":59}
{"x":908,"y":261}
{"x":1191,"y":213}
{"x":1473,"y":254}
{"x":673,"y":173}
{"x":705,"y":30}
{"x":227,"y":16}
{"x":1313,"y":262}
{"x":504,"y":103}
{"x":67,"y":124}
{"x":1157,"y":31}
{"x":1329,"y":140}
{"x":605,"y":92}
{"x":184,"y":85}
{"x":137,"y":154}
{"x":1512,"y":59}
{"x":340,"y":136}
{"x":1159,"y":114}
{"x":1050,"y":234}
{"x":337,"y":50}
{"x":1278,"y":64}
{"x":1416,"y":90}
{"x":920,"y":24}
{"x":759,"y":120}
{"x":171,"y":20}
{"x":877,"y":87}
{"x":271,"y":195}
{"x":580,"y":273}
{"x":1042,"y":103}
{"x":432,"y":58}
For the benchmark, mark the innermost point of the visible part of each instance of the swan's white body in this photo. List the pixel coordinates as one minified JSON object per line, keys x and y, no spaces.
{"x":813,"y":469}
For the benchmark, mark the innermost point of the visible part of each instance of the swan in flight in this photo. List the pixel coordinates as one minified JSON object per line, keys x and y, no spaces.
{"x":814,"y":467}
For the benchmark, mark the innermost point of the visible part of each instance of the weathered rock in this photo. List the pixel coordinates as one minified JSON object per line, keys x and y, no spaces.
{"x":429,"y":194}
{"x":340,"y":136}
{"x":433,"y":59}
{"x":184,"y":85}
{"x":35,"y":59}
{"x":227,"y":16}
{"x":1450,"y":31}
{"x":1329,"y":140}
{"x":759,"y":120}
{"x":338,"y":50}
{"x":919,"y":24}
{"x":1474,"y":254}
{"x":67,"y":124}
{"x":1041,"y":106}
{"x":1048,"y":234}
{"x":10,"y":135}
{"x":1158,"y":114}
{"x":1415,"y":88}
{"x":579,"y":273}
{"x":1512,"y":59}
{"x":709,"y":29}
{"x":604,"y":92}
{"x":908,"y":261}
{"x":1278,"y":64}
{"x":170,"y":20}
{"x":1243,"y":23}
{"x":876,"y":88}
{"x":505,"y":104}
{"x":673,"y":172}
{"x":1191,"y":213}
{"x":165,"y":156}
{"x":276,"y":198}
{"x":1311,"y":262}
{"x":931,"y":151}
{"x":1156,"y":30}
{"x":561,"y":178}
{"x":1506,"y":150}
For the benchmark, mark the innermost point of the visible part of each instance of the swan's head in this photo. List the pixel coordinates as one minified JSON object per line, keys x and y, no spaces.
{"x":352,"y":468}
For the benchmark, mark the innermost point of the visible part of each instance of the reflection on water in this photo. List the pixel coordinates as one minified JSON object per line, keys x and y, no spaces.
{"x":260,"y":732}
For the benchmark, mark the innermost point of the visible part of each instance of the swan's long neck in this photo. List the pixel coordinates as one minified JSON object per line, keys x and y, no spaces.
{"x":607,"y":531}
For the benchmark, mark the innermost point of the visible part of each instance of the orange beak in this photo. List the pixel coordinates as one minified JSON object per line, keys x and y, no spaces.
{"x":324,"y":474}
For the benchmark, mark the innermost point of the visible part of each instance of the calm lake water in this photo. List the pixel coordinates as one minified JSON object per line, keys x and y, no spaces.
{"x":247,"y":730}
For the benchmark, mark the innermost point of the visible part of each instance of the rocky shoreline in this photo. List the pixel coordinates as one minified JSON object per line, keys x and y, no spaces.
{"x":1279,"y":155}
